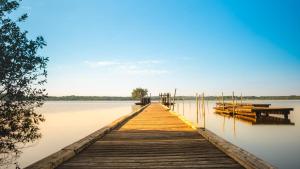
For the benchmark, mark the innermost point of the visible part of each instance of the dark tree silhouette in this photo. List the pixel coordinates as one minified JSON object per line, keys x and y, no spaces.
{"x":22,"y":75}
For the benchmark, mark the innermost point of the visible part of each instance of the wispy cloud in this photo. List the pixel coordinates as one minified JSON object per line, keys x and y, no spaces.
{"x":148,"y":72}
{"x":101,"y":63}
{"x":140,"y":67}
{"x":149,"y":61}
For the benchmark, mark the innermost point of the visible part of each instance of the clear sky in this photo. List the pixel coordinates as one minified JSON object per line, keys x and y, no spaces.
{"x":109,"y":47}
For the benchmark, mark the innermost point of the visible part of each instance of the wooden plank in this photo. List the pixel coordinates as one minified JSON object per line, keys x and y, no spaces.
{"x":273,"y":108}
{"x":245,"y":104}
{"x":245,"y":158}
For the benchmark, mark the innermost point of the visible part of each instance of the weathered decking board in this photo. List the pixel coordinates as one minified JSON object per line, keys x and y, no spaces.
{"x":155,"y":138}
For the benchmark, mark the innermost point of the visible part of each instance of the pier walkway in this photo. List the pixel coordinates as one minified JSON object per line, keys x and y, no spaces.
{"x":154,"y":138}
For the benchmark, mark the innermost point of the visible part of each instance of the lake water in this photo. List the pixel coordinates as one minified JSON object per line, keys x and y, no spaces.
{"x":67,"y":122}
{"x":279,"y":144}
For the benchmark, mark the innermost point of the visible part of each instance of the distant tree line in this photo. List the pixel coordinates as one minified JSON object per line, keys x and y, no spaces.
{"x":128,"y":98}
{"x":88,"y":98}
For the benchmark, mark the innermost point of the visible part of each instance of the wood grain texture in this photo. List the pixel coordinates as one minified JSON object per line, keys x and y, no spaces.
{"x":155,"y":138}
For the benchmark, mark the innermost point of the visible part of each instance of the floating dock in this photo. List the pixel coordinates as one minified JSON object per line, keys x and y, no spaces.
{"x":251,"y":110}
{"x":152,"y":137}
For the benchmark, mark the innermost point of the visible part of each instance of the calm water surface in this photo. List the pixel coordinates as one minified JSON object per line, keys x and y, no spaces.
{"x":278,"y":144}
{"x":69,"y":121}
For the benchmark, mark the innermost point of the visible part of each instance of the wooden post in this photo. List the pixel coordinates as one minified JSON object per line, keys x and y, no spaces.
{"x":170,"y":100}
{"x":174,"y":99}
{"x":203,"y":110}
{"x":286,"y":115}
{"x":177,"y":107}
{"x":159,"y":97}
{"x":233,"y":102}
{"x":197,"y":108}
{"x":223,"y":102}
{"x":165,"y":98}
{"x":241,"y":98}
{"x":183,"y":106}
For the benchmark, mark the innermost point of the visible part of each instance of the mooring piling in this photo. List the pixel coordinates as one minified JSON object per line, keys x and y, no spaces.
{"x":197,"y":108}
{"x":203,"y":109}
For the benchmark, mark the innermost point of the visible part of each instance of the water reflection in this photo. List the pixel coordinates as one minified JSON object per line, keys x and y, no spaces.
{"x":70,"y":121}
{"x":271,"y":120}
{"x":266,"y":120}
{"x":271,"y":138}
{"x":18,"y":127}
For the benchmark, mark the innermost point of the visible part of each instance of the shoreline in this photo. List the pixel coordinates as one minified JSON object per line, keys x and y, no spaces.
{"x":178,"y":99}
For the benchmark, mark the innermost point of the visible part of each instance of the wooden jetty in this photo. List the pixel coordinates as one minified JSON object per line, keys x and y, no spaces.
{"x":252,"y":110}
{"x":152,"y":137}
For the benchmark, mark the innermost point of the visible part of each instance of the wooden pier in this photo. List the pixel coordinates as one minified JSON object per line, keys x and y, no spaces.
{"x":144,"y":101}
{"x":152,"y":137}
{"x":166,"y":99}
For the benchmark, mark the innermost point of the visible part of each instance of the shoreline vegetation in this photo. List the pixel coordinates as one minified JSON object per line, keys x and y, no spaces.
{"x":128,"y":98}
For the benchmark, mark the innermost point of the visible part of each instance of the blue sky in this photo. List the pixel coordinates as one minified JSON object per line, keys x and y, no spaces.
{"x":109,"y":47}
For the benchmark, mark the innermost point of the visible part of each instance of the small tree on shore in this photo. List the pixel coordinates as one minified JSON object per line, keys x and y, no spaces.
{"x":138,"y":93}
